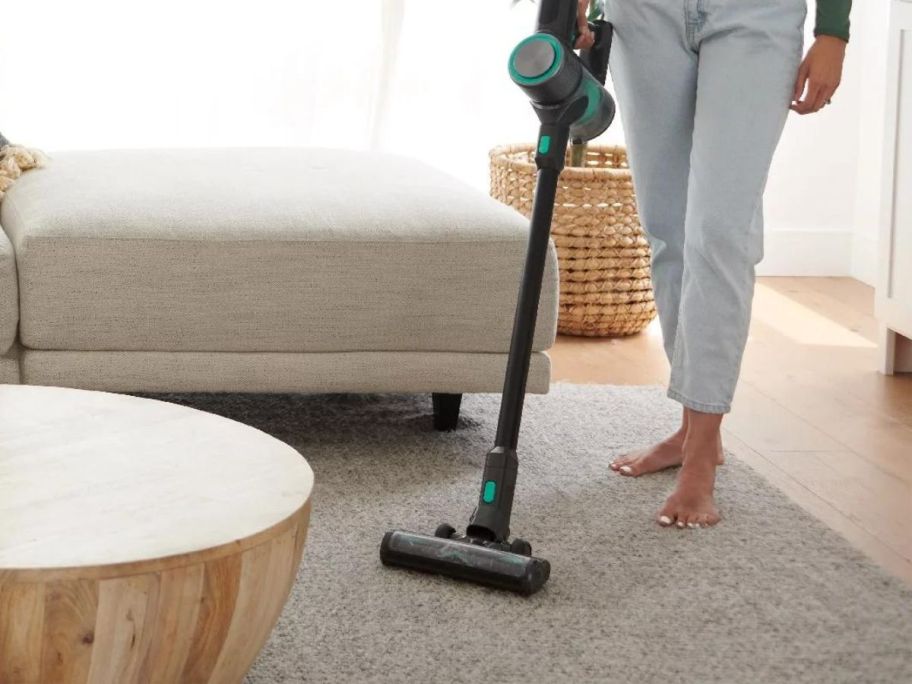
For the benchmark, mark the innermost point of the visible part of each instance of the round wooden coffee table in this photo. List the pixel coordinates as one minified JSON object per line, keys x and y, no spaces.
{"x":140,"y":541}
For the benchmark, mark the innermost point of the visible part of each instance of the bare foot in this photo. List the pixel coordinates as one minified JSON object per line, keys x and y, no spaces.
{"x":668,"y":453}
{"x":692,"y":503}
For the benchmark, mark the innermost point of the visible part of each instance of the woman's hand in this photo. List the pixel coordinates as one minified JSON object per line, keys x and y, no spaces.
{"x":821,"y":73}
{"x":586,"y":38}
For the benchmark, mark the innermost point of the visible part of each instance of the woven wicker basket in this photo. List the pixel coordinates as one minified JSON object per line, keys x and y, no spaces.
{"x":605,"y":285}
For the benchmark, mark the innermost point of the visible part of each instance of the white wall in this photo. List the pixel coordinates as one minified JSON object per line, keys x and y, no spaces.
{"x":810,"y":197}
{"x":824,"y":191}
{"x":118,"y":73}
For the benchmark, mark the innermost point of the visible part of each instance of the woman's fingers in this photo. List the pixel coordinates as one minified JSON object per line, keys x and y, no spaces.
{"x":806,"y":105}
{"x":822,"y":85}
{"x":824,"y":94}
{"x":586,"y":38}
{"x":816,"y":97}
{"x":585,"y":41}
{"x":800,"y":81}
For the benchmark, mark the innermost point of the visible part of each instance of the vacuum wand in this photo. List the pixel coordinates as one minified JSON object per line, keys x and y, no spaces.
{"x":527,"y":310}
{"x":568,"y":95}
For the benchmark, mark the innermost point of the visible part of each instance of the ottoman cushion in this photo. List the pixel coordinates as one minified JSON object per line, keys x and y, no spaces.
{"x":263,"y":250}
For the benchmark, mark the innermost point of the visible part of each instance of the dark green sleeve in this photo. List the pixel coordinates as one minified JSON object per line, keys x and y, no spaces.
{"x":833,"y":18}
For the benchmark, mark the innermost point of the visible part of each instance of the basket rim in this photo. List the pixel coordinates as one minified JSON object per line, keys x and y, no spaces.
{"x":499,"y":155}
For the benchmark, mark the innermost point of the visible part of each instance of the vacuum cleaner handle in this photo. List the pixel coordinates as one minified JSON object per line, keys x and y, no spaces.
{"x":595,"y":59}
{"x":557,"y":17}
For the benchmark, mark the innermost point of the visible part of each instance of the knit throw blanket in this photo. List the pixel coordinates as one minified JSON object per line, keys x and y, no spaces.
{"x":15,"y":159}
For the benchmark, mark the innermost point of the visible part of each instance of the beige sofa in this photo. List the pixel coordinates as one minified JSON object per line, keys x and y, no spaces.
{"x":267,"y":270}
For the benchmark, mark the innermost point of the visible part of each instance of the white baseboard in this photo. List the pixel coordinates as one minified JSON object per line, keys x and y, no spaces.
{"x":799,"y":252}
{"x":864,"y":259}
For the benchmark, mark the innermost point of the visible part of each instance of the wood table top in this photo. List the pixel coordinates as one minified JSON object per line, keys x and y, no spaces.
{"x":99,"y":479}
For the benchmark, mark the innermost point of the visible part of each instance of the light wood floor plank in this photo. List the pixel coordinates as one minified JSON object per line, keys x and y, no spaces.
{"x":831,"y":515}
{"x":844,"y":481}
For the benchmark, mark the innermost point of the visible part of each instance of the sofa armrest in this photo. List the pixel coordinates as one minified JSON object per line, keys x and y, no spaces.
{"x":9,"y":294}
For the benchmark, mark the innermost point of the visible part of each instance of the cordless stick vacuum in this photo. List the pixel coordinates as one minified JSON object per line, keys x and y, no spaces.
{"x":568,"y":96}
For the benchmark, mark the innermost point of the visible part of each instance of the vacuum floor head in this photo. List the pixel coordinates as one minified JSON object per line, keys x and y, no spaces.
{"x":466,"y":558}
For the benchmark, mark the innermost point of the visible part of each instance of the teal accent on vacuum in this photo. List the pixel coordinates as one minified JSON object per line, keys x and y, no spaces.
{"x":490,"y":491}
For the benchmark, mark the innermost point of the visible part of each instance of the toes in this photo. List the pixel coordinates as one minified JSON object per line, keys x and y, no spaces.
{"x":667,"y":514}
{"x":712,"y":519}
{"x":619,"y":463}
{"x":666,"y":517}
{"x":705,"y":519}
{"x":625,"y":465}
{"x":670,"y":516}
{"x":689,"y":520}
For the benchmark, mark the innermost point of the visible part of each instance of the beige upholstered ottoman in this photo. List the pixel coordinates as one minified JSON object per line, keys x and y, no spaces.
{"x":262,"y":270}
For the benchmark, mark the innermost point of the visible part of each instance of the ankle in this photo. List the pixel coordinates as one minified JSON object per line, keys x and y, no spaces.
{"x":698,"y":472}
{"x":702,"y":426}
{"x":702,"y":450}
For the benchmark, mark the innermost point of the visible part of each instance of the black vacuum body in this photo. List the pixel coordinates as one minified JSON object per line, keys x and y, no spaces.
{"x":568,"y":95}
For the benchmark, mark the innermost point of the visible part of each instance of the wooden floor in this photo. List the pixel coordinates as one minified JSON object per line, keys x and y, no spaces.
{"x":811,"y":414}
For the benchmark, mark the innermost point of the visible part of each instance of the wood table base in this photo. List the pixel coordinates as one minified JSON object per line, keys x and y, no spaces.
{"x":199,"y":617}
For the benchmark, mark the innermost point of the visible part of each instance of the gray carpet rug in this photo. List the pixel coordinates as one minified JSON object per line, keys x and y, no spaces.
{"x":771,"y":595}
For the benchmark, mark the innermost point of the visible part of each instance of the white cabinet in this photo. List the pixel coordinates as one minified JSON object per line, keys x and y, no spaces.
{"x":894,"y":285}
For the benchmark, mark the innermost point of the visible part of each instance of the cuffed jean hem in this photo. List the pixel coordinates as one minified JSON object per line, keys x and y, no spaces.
{"x":701,"y":406}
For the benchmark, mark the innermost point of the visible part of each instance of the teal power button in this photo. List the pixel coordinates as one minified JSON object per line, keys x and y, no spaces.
{"x":490,"y":491}
{"x":544,"y":144}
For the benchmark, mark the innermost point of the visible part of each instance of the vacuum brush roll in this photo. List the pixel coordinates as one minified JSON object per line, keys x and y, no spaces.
{"x":465,"y":559}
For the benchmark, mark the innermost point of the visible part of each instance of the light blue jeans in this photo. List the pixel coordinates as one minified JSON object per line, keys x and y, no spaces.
{"x":704,"y":87}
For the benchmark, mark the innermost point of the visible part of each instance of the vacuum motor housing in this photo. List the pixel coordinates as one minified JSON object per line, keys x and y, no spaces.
{"x":551,"y":74}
